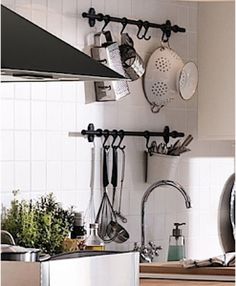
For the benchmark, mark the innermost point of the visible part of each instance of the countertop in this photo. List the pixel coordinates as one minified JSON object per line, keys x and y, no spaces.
{"x":176,"y":268}
{"x":173,"y":273}
{"x":155,"y":282}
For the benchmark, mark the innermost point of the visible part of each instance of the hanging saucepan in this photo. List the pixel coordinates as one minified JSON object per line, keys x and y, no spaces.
{"x":131,"y":61}
{"x":12,"y":252}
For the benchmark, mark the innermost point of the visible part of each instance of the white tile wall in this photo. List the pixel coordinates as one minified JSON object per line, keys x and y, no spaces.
{"x":39,"y":157}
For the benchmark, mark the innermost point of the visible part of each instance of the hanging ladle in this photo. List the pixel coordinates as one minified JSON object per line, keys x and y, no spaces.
{"x":115,"y":231}
{"x":122,"y":148}
{"x":114,"y":166}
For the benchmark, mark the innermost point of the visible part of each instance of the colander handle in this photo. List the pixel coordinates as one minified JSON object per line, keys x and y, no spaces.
{"x":155,"y":108}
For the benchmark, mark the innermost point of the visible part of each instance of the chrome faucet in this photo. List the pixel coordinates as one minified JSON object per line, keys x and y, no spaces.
{"x":147,"y":253}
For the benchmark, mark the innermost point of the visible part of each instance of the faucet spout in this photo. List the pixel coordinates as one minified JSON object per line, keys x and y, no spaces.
{"x":147,"y":194}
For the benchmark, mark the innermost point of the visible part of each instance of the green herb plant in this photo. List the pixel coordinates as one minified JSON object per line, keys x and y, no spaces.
{"x":43,"y":224}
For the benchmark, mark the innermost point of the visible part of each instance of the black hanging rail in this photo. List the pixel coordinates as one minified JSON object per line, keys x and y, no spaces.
{"x":91,"y":133}
{"x":166,"y":28}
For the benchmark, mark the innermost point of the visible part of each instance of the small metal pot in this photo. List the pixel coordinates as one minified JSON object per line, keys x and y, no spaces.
{"x":17,"y":253}
{"x":12,"y":252}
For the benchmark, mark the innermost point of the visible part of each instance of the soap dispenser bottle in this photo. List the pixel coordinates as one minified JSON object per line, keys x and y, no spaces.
{"x":176,"y":244}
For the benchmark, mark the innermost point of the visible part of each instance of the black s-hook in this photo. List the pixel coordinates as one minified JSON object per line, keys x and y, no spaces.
{"x":146,"y":26}
{"x":106,"y":19}
{"x":147,"y":136}
{"x":140,"y":26}
{"x":121,"y":135}
{"x":124,"y":22}
{"x":166,"y":32}
{"x":106,"y":136}
{"x":114,"y":135}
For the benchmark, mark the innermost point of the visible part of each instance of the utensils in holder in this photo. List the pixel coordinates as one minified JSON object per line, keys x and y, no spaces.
{"x":162,"y":159}
{"x":161,"y":167}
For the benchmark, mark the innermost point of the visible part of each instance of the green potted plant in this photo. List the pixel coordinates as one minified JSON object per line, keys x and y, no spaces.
{"x":42,"y":224}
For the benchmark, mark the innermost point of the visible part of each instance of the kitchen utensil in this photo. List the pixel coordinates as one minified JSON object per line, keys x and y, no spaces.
{"x":118,"y":213}
{"x":159,"y":148}
{"x":114,"y":172}
{"x":186,"y":142}
{"x":187,"y":80}
{"x":90,"y":211}
{"x":179,"y":148}
{"x":153,"y":147}
{"x":117,"y":232}
{"x":131,"y":61}
{"x":164,"y":148}
{"x":107,"y":52}
{"x":105,"y":213}
{"x":160,"y":77}
{"x":114,"y":230}
{"x":225,"y":230}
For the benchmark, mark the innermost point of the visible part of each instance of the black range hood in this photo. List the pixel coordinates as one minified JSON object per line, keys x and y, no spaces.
{"x":30,"y":53}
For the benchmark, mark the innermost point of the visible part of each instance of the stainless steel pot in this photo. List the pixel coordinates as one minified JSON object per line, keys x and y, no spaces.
{"x":18,"y":253}
{"x":12,"y":252}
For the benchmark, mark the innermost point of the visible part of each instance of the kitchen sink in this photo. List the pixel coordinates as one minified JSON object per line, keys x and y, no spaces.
{"x":83,"y":253}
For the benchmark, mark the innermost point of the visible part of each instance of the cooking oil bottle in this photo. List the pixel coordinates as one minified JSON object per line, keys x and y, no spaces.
{"x":93,"y":241}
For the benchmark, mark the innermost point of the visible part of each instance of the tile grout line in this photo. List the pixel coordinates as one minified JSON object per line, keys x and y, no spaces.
{"x":30,"y":133}
{"x":14,"y":140}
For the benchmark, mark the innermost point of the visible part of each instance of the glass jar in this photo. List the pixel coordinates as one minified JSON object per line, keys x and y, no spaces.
{"x":79,"y":232}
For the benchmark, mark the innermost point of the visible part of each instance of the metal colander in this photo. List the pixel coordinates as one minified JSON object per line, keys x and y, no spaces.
{"x":160,"y":78}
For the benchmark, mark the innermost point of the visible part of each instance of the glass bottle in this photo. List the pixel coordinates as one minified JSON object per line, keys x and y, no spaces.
{"x":93,"y":241}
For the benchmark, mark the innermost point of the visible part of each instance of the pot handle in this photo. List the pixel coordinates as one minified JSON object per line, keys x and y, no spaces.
{"x":9,"y":236}
{"x":44,"y":257}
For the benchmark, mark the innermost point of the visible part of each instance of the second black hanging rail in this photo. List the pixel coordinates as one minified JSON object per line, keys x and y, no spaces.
{"x":91,"y":133}
{"x":166,"y":28}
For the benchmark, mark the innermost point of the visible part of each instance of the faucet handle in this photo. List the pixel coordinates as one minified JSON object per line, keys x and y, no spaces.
{"x":153,"y":245}
{"x":155,"y":249}
{"x":136,"y":247}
